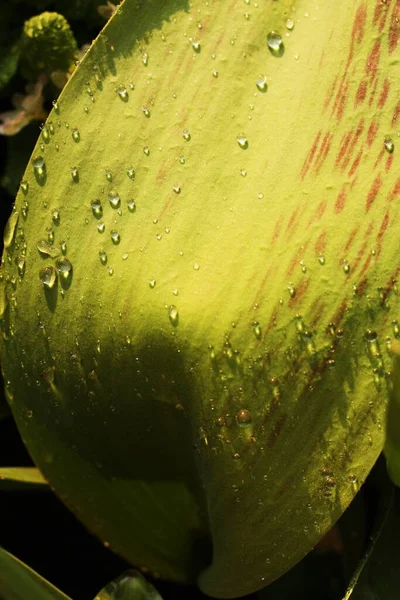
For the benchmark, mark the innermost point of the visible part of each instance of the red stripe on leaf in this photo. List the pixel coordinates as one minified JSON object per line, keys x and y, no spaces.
{"x":340,"y":201}
{"x":384,"y":94}
{"x":395,"y":191}
{"x":373,"y":192}
{"x":310,"y":155}
{"x":394,"y":27}
{"x":372,"y":131}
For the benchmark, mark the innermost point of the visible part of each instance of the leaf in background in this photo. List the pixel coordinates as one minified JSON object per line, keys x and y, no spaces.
{"x":392,"y":443}
{"x":129,"y":586}
{"x":9,"y":62}
{"x":21,"y":478}
{"x":19,"y":582}
{"x":378,"y":577}
{"x":196,"y":337}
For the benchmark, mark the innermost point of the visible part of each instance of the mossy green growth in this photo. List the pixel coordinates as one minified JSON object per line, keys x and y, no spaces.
{"x":49,"y":44}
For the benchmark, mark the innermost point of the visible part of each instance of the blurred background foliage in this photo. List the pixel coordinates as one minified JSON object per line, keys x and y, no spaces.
{"x":41,"y":42}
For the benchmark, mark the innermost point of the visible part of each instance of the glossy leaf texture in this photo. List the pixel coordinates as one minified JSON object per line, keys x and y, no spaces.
{"x":200,"y":281}
{"x":392,"y":442}
{"x":19,"y":582}
{"x":129,"y":586}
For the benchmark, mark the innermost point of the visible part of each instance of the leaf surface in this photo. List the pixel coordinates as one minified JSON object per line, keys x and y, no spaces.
{"x":211,"y":359}
{"x":21,"y":478}
{"x":129,"y":586}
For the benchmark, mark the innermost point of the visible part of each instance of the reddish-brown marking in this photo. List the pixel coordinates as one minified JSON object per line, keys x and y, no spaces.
{"x":276,"y":430}
{"x":356,"y":163}
{"x":384,"y":14}
{"x":343,"y":147}
{"x":361,"y":287}
{"x":339,"y":314}
{"x":384,"y":94}
{"x":340,"y":201}
{"x":354,"y":142}
{"x":301,"y":289}
{"x":277,"y":229}
{"x":361,"y":92}
{"x":373,"y":92}
{"x":310,"y":155}
{"x":396,"y":114}
{"x":261,"y":287}
{"x":329,"y":94}
{"x":380,"y":156}
{"x":272,"y":319}
{"x":366,"y":265}
{"x":381,"y":233}
{"x":323,"y":151}
{"x":342,"y":101}
{"x":290,"y":227}
{"x":371,"y":67}
{"x":294,"y":262}
{"x":373,"y":192}
{"x":395,"y":191}
{"x":351,"y":239}
{"x":360,"y":255}
{"x":317,"y":309}
{"x":357,"y":33}
{"x":320,"y":244}
{"x":378,"y":12}
{"x":372,"y":131}
{"x":389,"y":162}
{"x":394,"y":27}
{"x":319,"y":212}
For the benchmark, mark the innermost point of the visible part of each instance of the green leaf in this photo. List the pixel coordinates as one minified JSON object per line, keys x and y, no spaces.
{"x":129,"y":586}
{"x":19,"y":582}
{"x":195,"y":338}
{"x":21,"y":478}
{"x":9,"y":62}
{"x":378,"y":576}
{"x":392,"y":443}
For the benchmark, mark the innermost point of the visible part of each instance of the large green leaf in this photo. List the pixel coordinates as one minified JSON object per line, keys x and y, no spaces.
{"x":19,"y":582}
{"x":21,"y":478}
{"x":212,"y":358}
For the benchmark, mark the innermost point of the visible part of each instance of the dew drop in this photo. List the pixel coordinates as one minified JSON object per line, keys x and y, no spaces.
{"x":103,"y":257}
{"x":243,"y":417}
{"x":109,"y":176}
{"x":173,"y":315}
{"x":110,"y":271}
{"x":186,"y":135}
{"x":289,"y":24}
{"x":321,"y":259}
{"x":389,"y":145}
{"x":214,"y":73}
{"x":262,"y":84}
{"x":145,"y":58}
{"x":56,"y":216}
{"x":101,"y":228}
{"x":152,"y":283}
{"x":114,"y":199}
{"x":275,"y":44}
{"x":346,"y":267}
{"x":74,"y":174}
{"x":146,"y":150}
{"x":182,"y":160}
{"x":130,"y":171}
{"x":97,"y":208}
{"x":396,"y":328}
{"x":131,"y":206}
{"x":64,"y":267}
{"x":291,"y":290}
{"x":122,"y":93}
{"x":39,"y":166}
{"x":75,"y":134}
{"x":10,"y":229}
{"x":47,"y":250}
{"x":257,"y":329}
{"x":115,"y":237}
{"x":146,"y":111}
{"x":242,"y":141}
{"x":24,"y":186}
{"x":196,"y":46}
{"x":243,"y":172}
{"x":48,"y":276}
{"x":177,"y":189}
{"x":63,"y":247}
{"x":370,"y":336}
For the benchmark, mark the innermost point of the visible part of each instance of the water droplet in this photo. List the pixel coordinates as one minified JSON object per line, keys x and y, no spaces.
{"x":75,"y":134}
{"x":186,"y":135}
{"x":146,"y":111}
{"x":101,"y":228}
{"x":321,"y":259}
{"x":63,"y":247}
{"x":275,"y":44}
{"x":56,"y":216}
{"x":260,"y":195}
{"x":48,"y":276}
{"x":10,"y":229}
{"x":103,"y":257}
{"x":45,"y":134}
{"x":50,"y":235}
{"x":125,"y":256}
{"x":257,"y":329}
{"x":110,"y":271}
{"x":243,"y":172}
{"x":146,"y":150}
{"x":64,"y":267}
{"x":97,"y":208}
{"x":39,"y":166}
{"x":346,"y":267}
{"x":389,"y":145}
{"x":152,"y":283}
{"x":290,"y":24}
{"x":242,"y":141}
{"x":173,"y":315}
{"x":177,"y":189}
{"x":291,"y":290}
{"x":114,"y":199}
{"x":182,"y":160}
{"x":47,"y":250}
{"x":214,"y":73}
{"x":24,"y":186}
{"x":243,"y":417}
{"x":115,"y":237}
{"x":262,"y":84}
{"x":21,"y":265}
{"x":109,"y":176}
{"x":396,"y":328}
{"x":196,"y":46}
{"x":370,"y":336}
{"x":131,"y":206}
{"x":145,"y":58}
{"x":130,"y":171}
{"x":122,"y":93}
{"x":74,"y":174}
{"x":56,"y":106}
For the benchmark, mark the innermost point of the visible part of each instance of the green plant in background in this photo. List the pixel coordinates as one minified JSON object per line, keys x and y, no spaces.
{"x":199,"y":283}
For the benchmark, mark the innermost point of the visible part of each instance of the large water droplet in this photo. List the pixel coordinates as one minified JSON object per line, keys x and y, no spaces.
{"x":242,"y":141}
{"x":115,"y":236}
{"x":243,"y":417}
{"x":173,"y":315}
{"x":47,"y":250}
{"x":10,"y":229}
{"x":114,"y":199}
{"x":389,"y":145}
{"x":275,"y":44}
{"x":48,"y":276}
{"x":64,"y":267}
